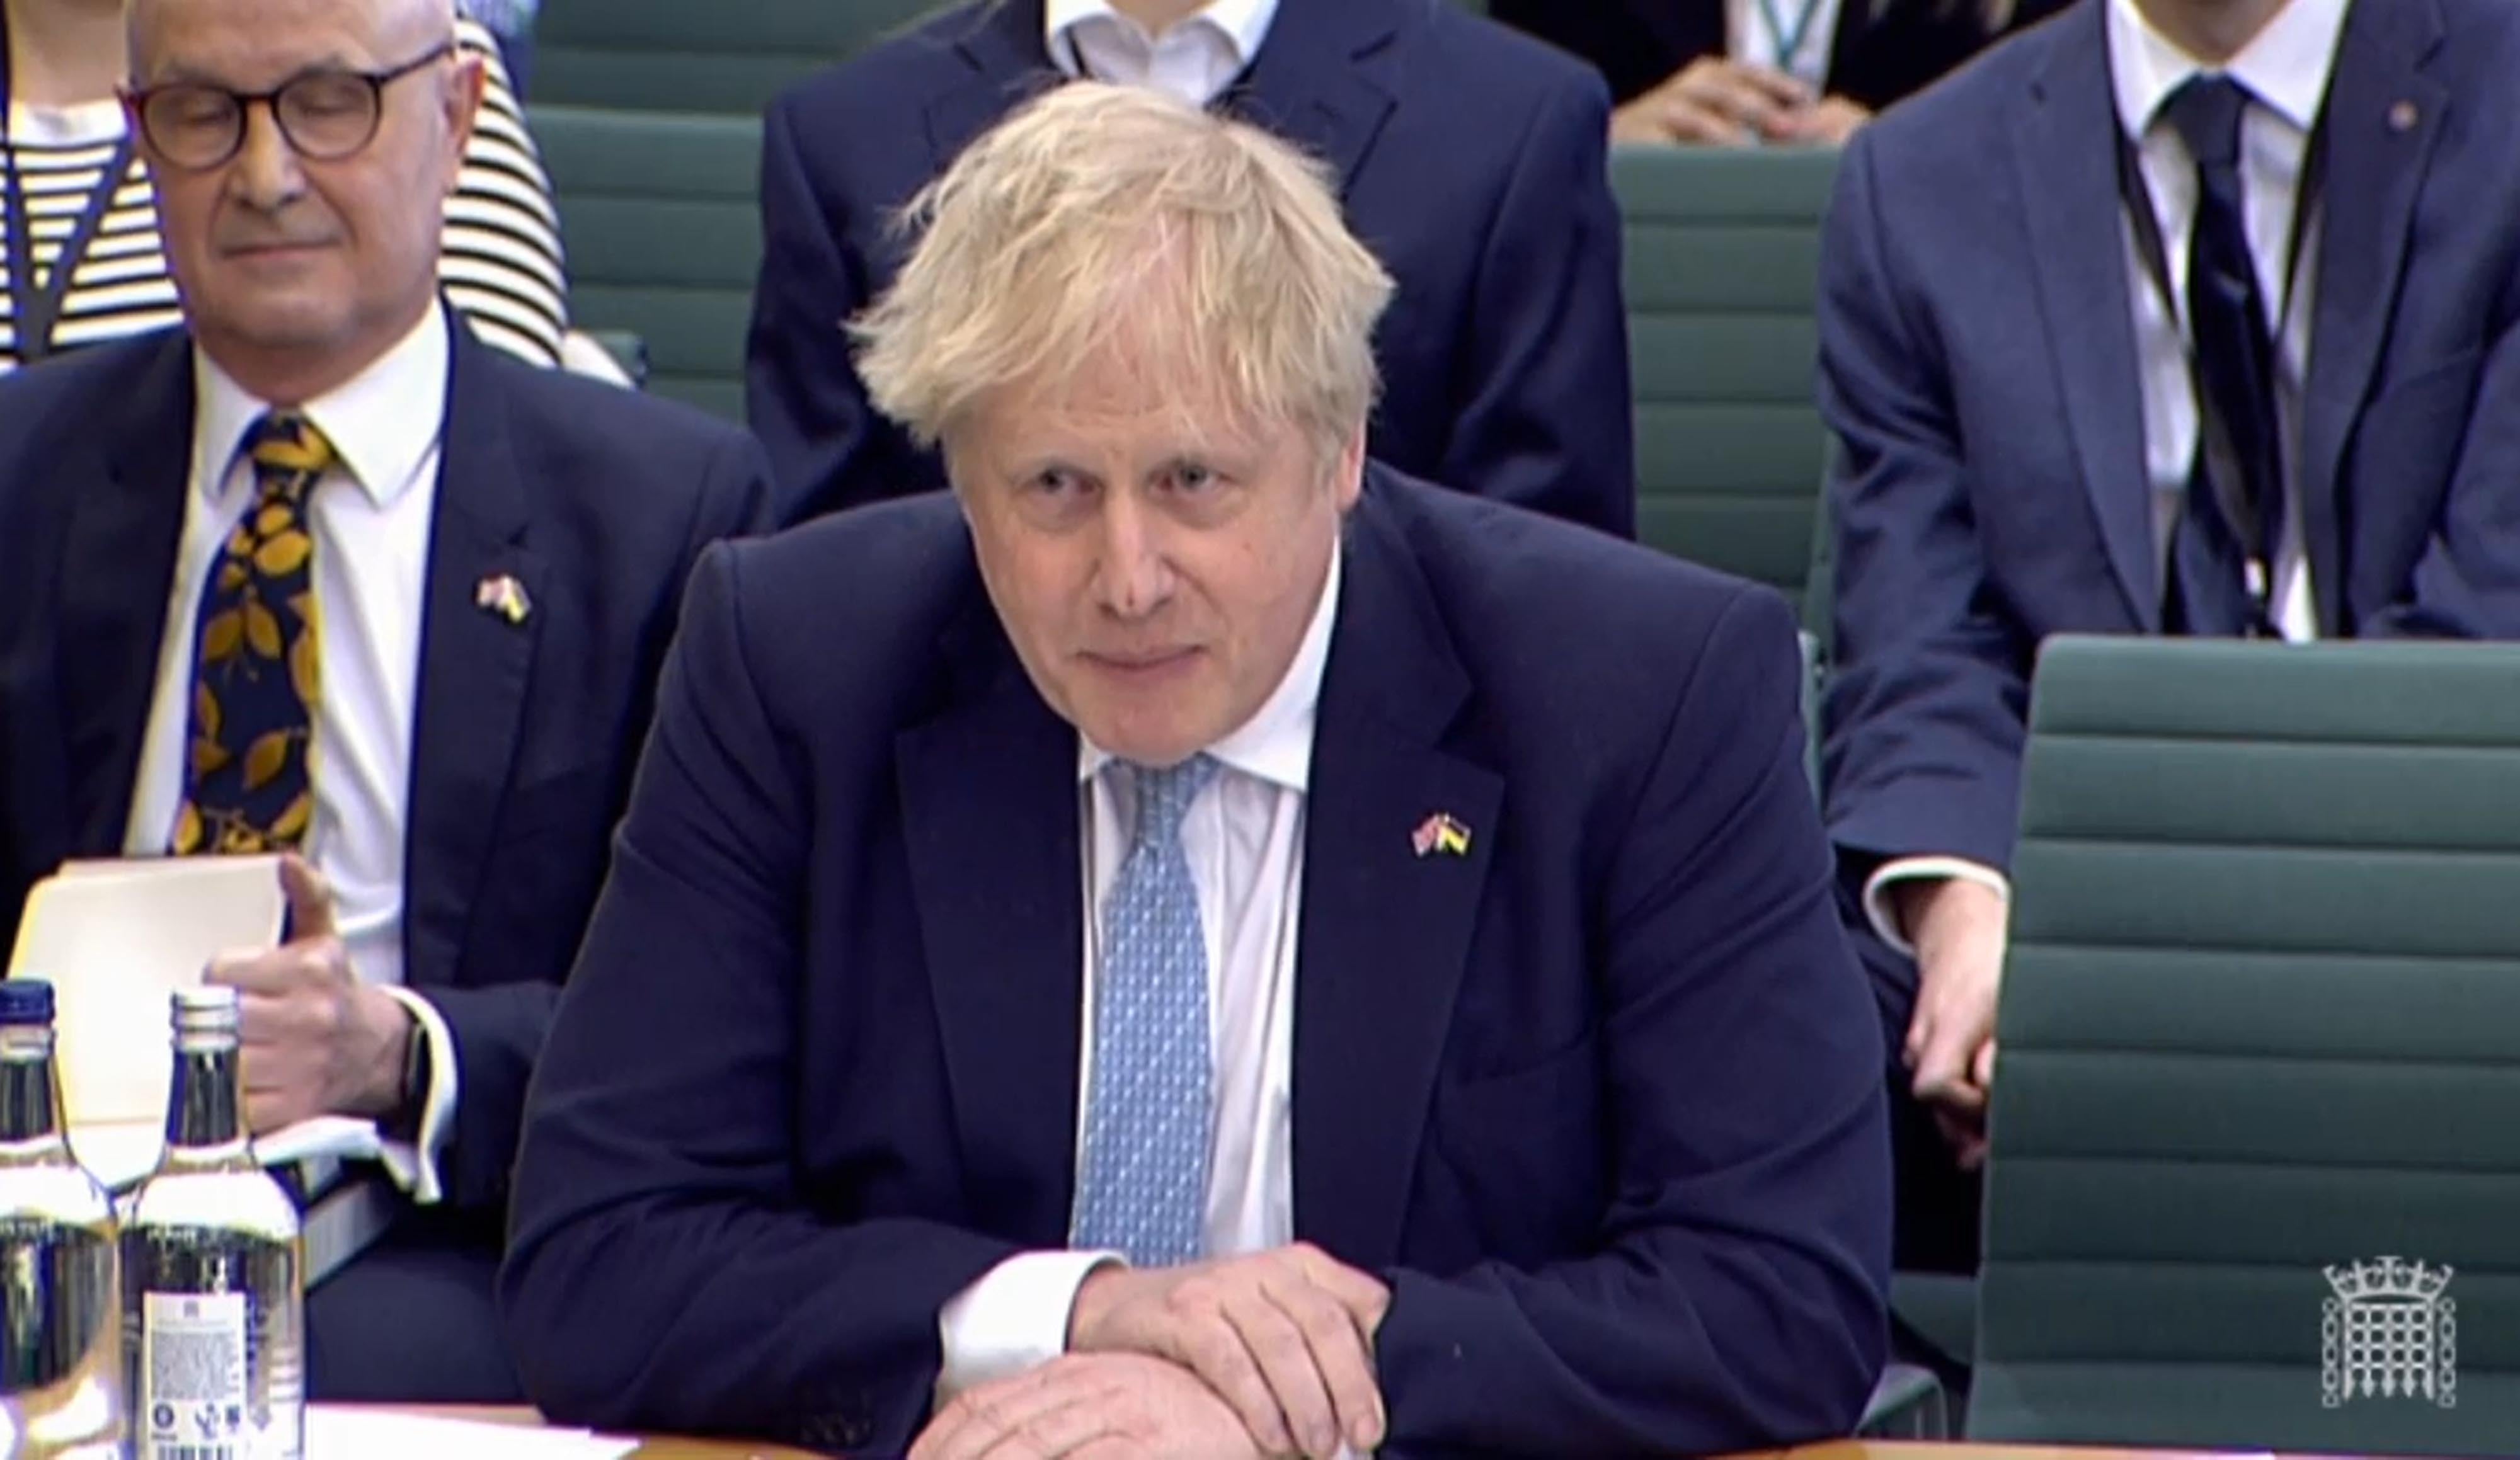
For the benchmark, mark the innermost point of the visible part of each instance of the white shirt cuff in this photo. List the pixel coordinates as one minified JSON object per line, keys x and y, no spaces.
{"x":1877,"y":890}
{"x":1012,"y":1320}
{"x":414,"y":1166}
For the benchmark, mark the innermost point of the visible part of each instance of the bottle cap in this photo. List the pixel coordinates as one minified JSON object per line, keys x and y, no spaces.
{"x":25,"y":1002}
{"x":205,"y":1008}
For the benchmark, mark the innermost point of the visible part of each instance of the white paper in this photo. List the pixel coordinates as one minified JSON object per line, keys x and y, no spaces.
{"x":373,"y":1435}
{"x":117,"y":939}
{"x":120,"y":1154}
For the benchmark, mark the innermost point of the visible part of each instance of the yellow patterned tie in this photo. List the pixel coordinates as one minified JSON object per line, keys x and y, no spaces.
{"x":248,"y":783}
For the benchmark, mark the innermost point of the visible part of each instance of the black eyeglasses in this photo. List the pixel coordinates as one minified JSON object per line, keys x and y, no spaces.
{"x":323,"y":115}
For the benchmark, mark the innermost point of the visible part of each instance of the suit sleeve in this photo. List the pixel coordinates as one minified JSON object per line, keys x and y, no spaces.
{"x":498,"y":1028}
{"x":664,"y":1270}
{"x":803,"y":396}
{"x":1547,"y":422}
{"x":1928,"y":698}
{"x":2466,"y":581}
{"x":1737,"y":1299}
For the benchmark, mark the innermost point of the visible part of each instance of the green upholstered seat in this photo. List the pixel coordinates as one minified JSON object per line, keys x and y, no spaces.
{"x":2262,"y":1019}
{"x":663,"y":238}
{"x":1721,"y":252}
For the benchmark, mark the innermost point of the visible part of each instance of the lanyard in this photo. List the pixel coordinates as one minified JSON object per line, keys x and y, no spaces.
{"x":36,"y":309}
{"x":1789,"y":42}
{"x":2222,"y":459}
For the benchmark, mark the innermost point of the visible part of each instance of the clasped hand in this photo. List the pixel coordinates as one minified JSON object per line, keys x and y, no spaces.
{"x":1716,"y":101}
{"x":1270,"y":1355}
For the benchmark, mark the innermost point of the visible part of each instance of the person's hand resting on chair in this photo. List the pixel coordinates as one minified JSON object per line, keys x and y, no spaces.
{"x":1958,"y":929}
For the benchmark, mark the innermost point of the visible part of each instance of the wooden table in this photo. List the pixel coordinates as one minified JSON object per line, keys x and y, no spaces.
{"x":1843,"y":1449}
{"x":1852,"y":1449}
{"x":650,"y":1448}
{"x":696,"y":1449}
{"x":674,"y":1450}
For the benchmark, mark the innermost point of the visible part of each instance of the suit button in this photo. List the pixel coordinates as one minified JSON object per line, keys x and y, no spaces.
{"x":837,"y":1432}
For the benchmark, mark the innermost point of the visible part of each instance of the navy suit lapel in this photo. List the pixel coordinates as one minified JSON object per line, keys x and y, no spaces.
{"x":118,"y":568}
{"x":1386,"y":931}
{"x":474,"y":666}
{"x":2065,"y":160}
{"x":1315,"y":82}
{"x":1003,"y":47}
{"x":2383,"y":115}
{"x":1318,"y":80}
{"x":989,"y":810}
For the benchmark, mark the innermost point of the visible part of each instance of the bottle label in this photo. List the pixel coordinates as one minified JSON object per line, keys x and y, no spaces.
{"x":193,"y":1366}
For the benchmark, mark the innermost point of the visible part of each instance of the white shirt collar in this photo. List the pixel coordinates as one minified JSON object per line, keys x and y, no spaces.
{"x":1244,"y":24}
{"x":1276,"y":744}
{"x":2284,"y":66}
{"x":80,"y":124}
{"x":382,"y":421}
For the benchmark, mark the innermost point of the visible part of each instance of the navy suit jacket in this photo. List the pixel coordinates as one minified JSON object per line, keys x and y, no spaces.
{"x":596,"y":500}
{"x":1882,"y":51}
{"x":1469,"y":159}
{"x":1601,"y":1096}
{"x":1979,"y":367}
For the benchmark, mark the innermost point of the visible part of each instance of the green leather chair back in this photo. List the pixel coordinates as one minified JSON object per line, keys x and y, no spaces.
{"x":663,"y":238}
{"x":1722,"y":266}
{"x":2261,"y":1023}
{"x":676,"y":56}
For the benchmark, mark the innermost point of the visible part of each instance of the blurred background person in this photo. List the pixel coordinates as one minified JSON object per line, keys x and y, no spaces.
{"x":1734,"y":73}
{"x":2191,"y":317}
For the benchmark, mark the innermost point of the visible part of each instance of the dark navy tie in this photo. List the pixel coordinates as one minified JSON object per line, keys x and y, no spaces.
{"x":2234,"y":513}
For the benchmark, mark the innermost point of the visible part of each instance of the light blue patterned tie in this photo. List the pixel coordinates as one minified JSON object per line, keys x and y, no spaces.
{"x":1143,"y":1191}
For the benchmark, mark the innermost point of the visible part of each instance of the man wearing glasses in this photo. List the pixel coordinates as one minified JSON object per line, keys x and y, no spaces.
{"x":321,"y":574}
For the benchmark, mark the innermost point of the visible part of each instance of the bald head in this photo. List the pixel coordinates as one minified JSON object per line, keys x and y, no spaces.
{"x":391,"y":21}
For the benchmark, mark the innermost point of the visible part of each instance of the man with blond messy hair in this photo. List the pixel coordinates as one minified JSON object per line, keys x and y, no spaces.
{"x":1197,"y":942}
{"x":1471,"y":159}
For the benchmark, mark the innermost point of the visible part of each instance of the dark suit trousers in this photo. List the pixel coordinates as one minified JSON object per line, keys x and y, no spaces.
{"x":411,"y":1320}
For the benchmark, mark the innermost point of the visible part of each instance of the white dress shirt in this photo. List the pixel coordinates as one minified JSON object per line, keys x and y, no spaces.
{"x":1194,"y":59}
{"x":2286,"y":68}
{"x":1757,"y":32}
{"x":1243,"y":839}
{"x":370,"y":516}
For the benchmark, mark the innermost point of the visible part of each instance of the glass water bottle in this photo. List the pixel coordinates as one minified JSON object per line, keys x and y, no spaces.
{"x":61,"y":1362}
{"x":213,"y":1289}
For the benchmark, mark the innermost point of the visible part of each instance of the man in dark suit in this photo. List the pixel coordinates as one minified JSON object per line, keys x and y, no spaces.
{"x":1469,"y":159}
{"x":321,"y":574}
{"x":1722,"y":72}
{"x":1195,"y":942}
{"x":2223,"y":336}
